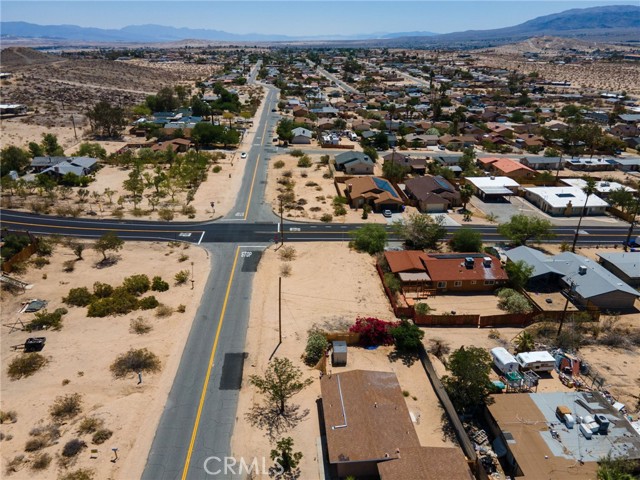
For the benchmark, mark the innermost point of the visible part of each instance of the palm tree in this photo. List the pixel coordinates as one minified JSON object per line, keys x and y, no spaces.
{"x":589,"y":189}
{"x":466,"y":192}
{"x":524,"y":342}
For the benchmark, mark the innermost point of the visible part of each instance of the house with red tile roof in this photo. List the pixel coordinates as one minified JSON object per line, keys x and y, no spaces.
{"x":506,"y":167}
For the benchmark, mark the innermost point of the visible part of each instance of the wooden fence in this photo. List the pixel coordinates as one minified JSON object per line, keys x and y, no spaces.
{"x":341,"y":147}
{"x":23,"y":255}
{"x":349,"y":337}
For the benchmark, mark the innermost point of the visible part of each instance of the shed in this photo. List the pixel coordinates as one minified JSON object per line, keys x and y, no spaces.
{"x":339,"y":355}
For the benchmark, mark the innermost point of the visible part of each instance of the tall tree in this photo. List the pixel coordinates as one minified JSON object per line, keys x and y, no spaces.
{"x":589,"y":189}
{"x":519,"y":273}
{"x":106,"y":120}
{"x":522,"y":228}
{"x":468,"y":381}
{"x":108,"y":242}
{"x":281,"y":381}
{"x":13,"y":158}
{"x":421,"y":231}
{"x":50,"y":145}
{"x":466,"y":192}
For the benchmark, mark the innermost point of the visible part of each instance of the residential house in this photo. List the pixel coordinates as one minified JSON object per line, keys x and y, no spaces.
{"x":175,"y":144}
{"x":79,"y":166}
{"x":418,"y":141}
{"x":432,"y":194}
{"x":416,"y":165}
{"x":458,"y":141}
{"x":507,"y":167}
{"x":624,"y":265}
{"x":370,"y":432}
{"x":354,"y":163}
{"x":447,"y":272}
{"x":566,"y":201}
{"x":493,"y":188}
{"x":542,"y":163}
{"x":301,"y":136}
{"x":300,"y":111}
{"x":531,"y":450}
{"x":588,"y":164}
{"x":627,"y":164}
{"x":38,"y":164}
{"x":587,"y":282}
{"x":376,"y":192}
{"x":603,"y":187}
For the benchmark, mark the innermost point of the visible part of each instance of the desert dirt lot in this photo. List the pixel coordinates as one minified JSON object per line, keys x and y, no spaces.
{"x":81,"y":353}
{"x":316,"y":293}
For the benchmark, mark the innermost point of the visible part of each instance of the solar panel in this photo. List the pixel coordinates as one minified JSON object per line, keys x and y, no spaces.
{"x":384,"y":185}
{"x":442,"y":182}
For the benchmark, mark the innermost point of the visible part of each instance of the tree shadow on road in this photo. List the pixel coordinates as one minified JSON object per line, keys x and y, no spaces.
{"x":274,"y":422}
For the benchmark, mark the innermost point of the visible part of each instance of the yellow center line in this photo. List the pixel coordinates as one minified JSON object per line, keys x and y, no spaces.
{"x":115,"y":228}
{"x":255,"y":170}
{"x":203,"y":395}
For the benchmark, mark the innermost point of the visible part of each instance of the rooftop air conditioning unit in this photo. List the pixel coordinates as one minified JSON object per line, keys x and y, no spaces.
{"x":582,"y":269}
{"x":486,"y":261}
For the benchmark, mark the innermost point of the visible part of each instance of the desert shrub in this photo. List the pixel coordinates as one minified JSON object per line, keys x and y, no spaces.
{"x":159,"y":285}
{"x":373,"y":331}
{"x":19,"y":268}
{"x":287,"y":174}
{"x":311,"y":183}
{"x":324,"y":159}
{"x":278,"y":164}
{"x":25,"y":365}
{"x":89,"y":425}
{"x":101,"y":436}
{"x":317,"y":345}
{"x":102,"y":290}
{"x":41,"y":461}
{"x":45,"y":319}
{"x":181,"y":308}
{"x":120,"y":303}
{"x":439,"y":348}
{"x":494,"y":334}
{"x":188,"y":209}
{"x":287,"y":253}
{"x":68,"y":266}
{"x":73,"y":447}
{"x":285,"y":270}
{"x":216,"y":169}
{"x":66,"y":407}
{"x":181,"y":277}
{"x":183,"y":257}
{"x":166,"y":214}
{"x":134,"y":361}
{"x":44,"y":247}
{"x":163,"y":311}
{"x":315,"y":209}
{"x":422,"y":308}
{"x":10,"y":416}
{"x":513,"y":302}
{"x":392,"y":282}
{"x":147,"y":303}
{"x":78,"y":297}
{"x":304,"y":161}
{"x":49,"y":432}
{"x":140,"y":326}
{"x":296,"y":153}
{"x":14,"y":464}
{"x":339,"y":210}
{"x":136,"y":284}
{"x":35,"y":444}
{"x":81,"y":474}
{"x":326,"y":217}
{"x":40,"y":262}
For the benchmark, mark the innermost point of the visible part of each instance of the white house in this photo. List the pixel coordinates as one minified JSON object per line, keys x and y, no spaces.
{"x":493,"y":187}
{"x":566,"y":201}
{"x":604,"y":188}
{"x":301,"y":136}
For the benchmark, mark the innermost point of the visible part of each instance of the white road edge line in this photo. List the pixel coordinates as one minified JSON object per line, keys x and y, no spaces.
{"x":201,"y":237}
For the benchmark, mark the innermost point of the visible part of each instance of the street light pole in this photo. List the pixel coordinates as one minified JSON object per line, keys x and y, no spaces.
{"x":281,"y":223}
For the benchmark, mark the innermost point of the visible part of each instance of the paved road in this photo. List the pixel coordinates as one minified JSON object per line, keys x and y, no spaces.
{"x":200,"y":412}
{"x":344,"y":86}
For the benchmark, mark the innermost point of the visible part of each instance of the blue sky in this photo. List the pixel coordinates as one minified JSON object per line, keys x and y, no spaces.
{"x":295,"y":18}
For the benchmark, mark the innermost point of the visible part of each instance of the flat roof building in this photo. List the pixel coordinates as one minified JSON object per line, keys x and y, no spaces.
{"x":567,"y":201}
{"x":493,"y":187}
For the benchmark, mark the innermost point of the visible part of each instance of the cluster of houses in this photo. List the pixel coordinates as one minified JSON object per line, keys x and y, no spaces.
{"x":432,"y":194}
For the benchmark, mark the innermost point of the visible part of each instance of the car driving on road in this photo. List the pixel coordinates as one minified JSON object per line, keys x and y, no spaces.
{"x":243,"y":155}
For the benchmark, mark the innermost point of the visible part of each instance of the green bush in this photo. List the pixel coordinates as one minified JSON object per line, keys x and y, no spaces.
{"x":44,"y":247}
{"x":278,"y":164}
{"x":26,"y":365}
{"x":317,"y":345}
{"x":78,"y":297}
{"x":101,"y":436}
{"x":216,"y":169}
{"x":407,"y":336}
{"x":326,"y":217}
{"x":66,"y":407}
{"x":147,"y":303}
{"x":45,"y":319}
{"x":81,"y":474}
{"x":40,"y":262}
{"x":120,"y":303}
{"x":159,"y":285}
{"x":166,"y":214}
{"x":422,"y":308}
{"x":296,"y":153}
{"x":136,"y":284}
{"x":339,"y":210}
{"x":134,"y":361}
{"x":67,"y":266}
{"x":304,"y":161}
{"x":513,"y":302}
{"x":181,"y":277}
{"x":102,"y":290}
{"x":392,"y":282}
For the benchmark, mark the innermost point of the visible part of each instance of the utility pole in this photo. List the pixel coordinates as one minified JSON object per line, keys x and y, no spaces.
{"x":73,"y":121}
{"x":279,"y":310}
{"x":564,"y":311}
{"x":281,"y":223}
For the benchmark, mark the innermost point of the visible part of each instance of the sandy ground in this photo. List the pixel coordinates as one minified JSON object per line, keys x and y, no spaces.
{"x":85,"y":347}
{"x":313,"y":294}
{"x":465,"y":304}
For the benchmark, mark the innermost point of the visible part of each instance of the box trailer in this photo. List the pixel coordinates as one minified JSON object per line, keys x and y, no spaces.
{"x":536,"y":361}
{"x":504,"y":361}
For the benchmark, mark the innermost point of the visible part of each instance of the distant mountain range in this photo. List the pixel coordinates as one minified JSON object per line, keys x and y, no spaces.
{"x":620,"y":22}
